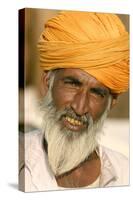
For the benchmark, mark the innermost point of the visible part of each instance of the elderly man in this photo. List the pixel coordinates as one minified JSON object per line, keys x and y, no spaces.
{"x":85,"y":57}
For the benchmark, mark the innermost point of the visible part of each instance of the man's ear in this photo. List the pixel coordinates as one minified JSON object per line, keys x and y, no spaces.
{"x":114,"y":101}
{"x":44,"y":83}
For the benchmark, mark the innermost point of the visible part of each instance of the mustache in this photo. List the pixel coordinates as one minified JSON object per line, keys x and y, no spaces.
{"x":69,"y":112}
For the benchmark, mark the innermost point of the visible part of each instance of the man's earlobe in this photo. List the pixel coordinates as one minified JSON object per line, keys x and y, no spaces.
{"x":44,"y":83}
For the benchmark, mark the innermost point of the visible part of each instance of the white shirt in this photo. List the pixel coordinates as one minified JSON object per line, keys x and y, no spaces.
{"x":36,"y":175}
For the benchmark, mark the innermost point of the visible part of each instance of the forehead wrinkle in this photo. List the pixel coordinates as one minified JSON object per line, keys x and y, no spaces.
{"x":82,"y":76}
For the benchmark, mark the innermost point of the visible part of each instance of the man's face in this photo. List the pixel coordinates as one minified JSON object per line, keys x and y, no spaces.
{"x":75,"y":108}
{"x":81,"y":94}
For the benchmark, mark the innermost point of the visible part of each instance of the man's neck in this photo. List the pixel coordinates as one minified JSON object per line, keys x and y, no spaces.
{"x":83,"y":175}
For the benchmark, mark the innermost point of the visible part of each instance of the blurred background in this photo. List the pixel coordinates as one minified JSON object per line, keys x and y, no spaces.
{"x":117,"y":125}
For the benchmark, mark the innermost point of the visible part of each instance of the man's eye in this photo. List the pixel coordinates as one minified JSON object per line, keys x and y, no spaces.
{"x":70,"y":83}
{"x":98,"y":92}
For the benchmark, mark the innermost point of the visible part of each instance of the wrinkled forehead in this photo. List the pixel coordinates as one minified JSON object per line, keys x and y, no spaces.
{"x":79,"y":75}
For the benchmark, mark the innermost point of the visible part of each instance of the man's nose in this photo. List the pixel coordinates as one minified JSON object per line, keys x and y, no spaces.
{"x":80,"y":103}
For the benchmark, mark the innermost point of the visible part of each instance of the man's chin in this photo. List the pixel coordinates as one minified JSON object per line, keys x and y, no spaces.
{"x":68,"y":146}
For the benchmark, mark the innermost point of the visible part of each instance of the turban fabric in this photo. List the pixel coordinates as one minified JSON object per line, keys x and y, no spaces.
{"x":97,"y":43}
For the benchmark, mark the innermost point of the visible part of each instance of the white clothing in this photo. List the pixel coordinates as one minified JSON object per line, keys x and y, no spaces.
{"x":35,"y":171}
{"x":95,"y":184}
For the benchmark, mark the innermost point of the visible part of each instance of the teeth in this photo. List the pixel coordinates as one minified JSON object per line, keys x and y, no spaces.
{"x":73,"y":121}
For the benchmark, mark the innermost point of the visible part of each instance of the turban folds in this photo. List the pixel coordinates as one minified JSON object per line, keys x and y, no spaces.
{"x":94,"y":42}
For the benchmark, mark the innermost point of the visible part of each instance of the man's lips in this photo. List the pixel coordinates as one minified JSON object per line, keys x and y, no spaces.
{"x":73,"y":124}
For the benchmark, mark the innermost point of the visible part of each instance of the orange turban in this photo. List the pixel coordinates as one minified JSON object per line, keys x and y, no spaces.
{"x":94,"y":42}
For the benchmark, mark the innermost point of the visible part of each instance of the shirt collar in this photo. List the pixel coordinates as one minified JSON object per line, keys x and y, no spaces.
{"x":107,"y":176}
{"x":108,"y":173}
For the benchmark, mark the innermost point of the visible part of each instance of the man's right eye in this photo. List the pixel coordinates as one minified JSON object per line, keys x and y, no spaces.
{"x":72,"y":82}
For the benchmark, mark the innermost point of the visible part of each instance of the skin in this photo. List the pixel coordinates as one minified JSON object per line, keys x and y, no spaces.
{"x":83,"y":93}
{"x":76,"y":89}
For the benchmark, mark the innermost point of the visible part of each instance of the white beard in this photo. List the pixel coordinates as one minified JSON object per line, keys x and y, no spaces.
{"x":67,"y":149}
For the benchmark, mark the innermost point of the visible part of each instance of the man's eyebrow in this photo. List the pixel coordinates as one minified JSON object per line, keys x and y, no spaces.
{"x":72,"y":79}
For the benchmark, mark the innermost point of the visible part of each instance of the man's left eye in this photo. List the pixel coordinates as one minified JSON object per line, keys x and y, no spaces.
{"x":98,"y":92}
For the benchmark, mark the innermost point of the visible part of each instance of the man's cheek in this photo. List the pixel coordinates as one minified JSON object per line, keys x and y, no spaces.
{"x":61,"y":98}
{"x":98,"y":112}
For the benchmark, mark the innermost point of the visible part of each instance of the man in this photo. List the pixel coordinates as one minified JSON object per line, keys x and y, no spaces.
{"x":85,"y":57}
